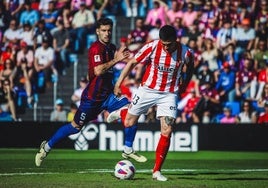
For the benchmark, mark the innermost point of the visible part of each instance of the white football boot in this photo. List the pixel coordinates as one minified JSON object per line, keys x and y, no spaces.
{"x":41,"y":155}
{"x":113,"y":116}
{"x":135,"y":156}
{"x":158,"y":176}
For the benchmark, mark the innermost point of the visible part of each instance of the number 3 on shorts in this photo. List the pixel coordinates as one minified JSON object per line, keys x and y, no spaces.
{"x":135,"y":99}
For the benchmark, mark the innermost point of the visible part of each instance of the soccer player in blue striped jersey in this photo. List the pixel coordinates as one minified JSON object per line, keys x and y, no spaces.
{"x":98,"y":94}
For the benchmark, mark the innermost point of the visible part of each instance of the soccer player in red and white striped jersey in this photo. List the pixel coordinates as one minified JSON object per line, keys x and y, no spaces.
{"x":169,"y":68}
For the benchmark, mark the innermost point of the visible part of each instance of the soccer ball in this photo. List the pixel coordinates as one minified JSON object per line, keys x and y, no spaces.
{"x":124,"y":170}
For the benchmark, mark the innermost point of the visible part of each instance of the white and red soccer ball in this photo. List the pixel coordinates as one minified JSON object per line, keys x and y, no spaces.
{"x":124,"y":170}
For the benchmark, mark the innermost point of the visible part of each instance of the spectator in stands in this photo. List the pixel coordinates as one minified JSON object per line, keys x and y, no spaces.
{"x":106,"y":8}
{"x":66,"y":17}
{"x":12,"y":34}
{"x":262,"y":80}
{"x":26,"y":35}
{"x":227,"y":118}
{"x":227,"y":14}
{"x":59,"y":4}
{"x":8,"y":53}
{"x":211,"y":30}
{"x":83,"y":24}
{"x":26,"y":55}
{"x":245,"y":12}
{"x":8,"y":72}
{"x":210,"y":55}
{"x":5,"y":116}
{"x":60,"y":44}
{"x":192,"y":33}
{"x":24,"y":76}
{"x":59,"y":114}
{"x":174,"y":12}
{"x":14,"y":7}
{"x":50,"y":16}
{"x":261,"y":32}
{"x":226,"y":83}
{"x":135,"y":39}
{"x":158,"y":12}
{"x":132,"y":8}
{"x":263,"y":98}
{"x":225,"y":36}
{"x":260,"y":55}
{"x":246,"y":78}
{"x":39,"y":32}
{"x":204,"y":76}
{"x":230,"y":56}
{"x":5,"y":18}
{"x":43,"y":6}
{"x":23,"y":83}
{"x":209,"y":104}
{"x":76,"y":96}
{"x":245,"y":36}
{"x":208,"y":13}
{"x":262,"y":11}
{"x":7,"y":98}
{"x":187,"y":113}
{"x":248,"y":114}
{"x":193,"y":44}
{"x":154,"y":31}
{"x":138,"y":36}
{"x":263,"y":118}
{"x":29,"y":15}
{"x":75,"y":4}
{"x":44,"y":61}
{"x":190,"y":15}
{"x":71,"y":113}
{"x":177,"y":24}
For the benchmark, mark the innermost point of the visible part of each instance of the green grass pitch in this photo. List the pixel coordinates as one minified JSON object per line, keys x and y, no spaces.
{"x":93,"y":168}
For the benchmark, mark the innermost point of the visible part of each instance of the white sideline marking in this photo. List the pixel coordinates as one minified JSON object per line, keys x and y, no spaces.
{"x":138,"y":171}
{"x":26,"y":173}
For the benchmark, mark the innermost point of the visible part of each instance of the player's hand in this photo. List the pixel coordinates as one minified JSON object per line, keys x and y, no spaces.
{"x":189,"y":57}
{"x":117,"y":91}
{"x":122,"y":54}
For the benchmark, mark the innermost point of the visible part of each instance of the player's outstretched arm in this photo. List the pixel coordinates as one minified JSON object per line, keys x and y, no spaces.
{"x":130,"y":65}
{"x":188,"y":71}
{"x":121,"y":55}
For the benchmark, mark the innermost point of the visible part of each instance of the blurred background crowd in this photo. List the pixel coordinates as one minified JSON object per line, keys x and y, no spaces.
{"x":229,"y":38}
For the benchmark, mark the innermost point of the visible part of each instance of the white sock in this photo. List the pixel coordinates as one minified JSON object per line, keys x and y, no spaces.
{"x":127,"y":149}
{"x":47,"y":148}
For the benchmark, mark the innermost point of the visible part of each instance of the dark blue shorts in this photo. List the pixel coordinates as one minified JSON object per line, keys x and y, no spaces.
{"x":89,"y":109}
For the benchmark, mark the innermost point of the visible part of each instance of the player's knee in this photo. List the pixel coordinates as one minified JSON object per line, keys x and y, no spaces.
{"x":75,"y":125}
{"x":169,"y":120}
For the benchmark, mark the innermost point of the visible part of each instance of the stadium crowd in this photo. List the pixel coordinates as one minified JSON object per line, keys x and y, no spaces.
{"x":229,"y":38}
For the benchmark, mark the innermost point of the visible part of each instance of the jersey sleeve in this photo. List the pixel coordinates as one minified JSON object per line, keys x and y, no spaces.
{"x":144,"y":53}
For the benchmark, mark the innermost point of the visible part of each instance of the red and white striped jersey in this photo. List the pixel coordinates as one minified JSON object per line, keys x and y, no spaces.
{"x":163,"y":70}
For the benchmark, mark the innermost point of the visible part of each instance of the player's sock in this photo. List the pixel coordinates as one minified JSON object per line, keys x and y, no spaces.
{"x":130,"y":133}
{"x":123,"y":114}
{"x":61,"y":133}
{"x":161,"y":152}
{"x":127,"y":149}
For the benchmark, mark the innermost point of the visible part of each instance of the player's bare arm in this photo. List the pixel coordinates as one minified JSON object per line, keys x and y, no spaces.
{"x":130,"y":65}
{"x":188,"y":70}
{"x":121,"y":55}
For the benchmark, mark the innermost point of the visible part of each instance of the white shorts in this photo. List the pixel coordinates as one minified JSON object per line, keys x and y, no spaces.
{"x":144,"y":98}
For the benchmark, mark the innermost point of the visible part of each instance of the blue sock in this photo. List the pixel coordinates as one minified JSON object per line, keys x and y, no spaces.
{"x":61,"y":133}
{"x":130,"y":133}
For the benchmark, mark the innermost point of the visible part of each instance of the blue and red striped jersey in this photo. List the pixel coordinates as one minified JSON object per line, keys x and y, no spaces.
{"x":99,"y":87}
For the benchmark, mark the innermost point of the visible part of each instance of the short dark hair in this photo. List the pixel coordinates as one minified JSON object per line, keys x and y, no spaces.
{"x":168,"y":33}
{"x":104,"y":21}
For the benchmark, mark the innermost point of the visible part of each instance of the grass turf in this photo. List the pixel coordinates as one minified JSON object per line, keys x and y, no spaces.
{"x":70,"y":168}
